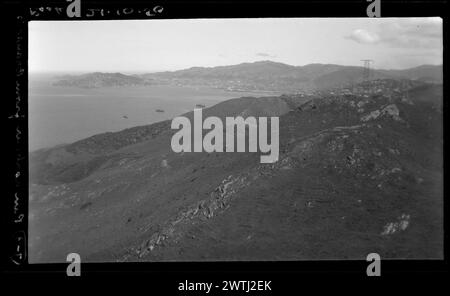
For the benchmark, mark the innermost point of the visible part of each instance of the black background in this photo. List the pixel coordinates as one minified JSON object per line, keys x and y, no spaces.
{"x":297,"y":277}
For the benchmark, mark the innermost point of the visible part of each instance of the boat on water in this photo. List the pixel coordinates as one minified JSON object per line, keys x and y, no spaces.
{"x":200,"y":106}
{"x":160,"y":110}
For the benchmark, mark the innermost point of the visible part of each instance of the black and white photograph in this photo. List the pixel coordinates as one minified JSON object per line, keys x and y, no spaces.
{"x":237,"y":139}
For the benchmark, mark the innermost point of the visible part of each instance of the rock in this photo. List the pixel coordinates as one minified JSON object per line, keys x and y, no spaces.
{"x":419,"y":180}
{"x":400,"y":225}
{"x":371,"y":116}
{"x":394,"y":170}
{"x":361,"y":104}
{"x":350,"y":160}
{"x":390,"y":110}
{"x":394,"y":151}
{"x":164,"y":163}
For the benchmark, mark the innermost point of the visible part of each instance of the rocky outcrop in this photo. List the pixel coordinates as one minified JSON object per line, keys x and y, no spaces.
{"x":400,"y":224}
{"x":389,"y":110}
{"x":218,"y":200}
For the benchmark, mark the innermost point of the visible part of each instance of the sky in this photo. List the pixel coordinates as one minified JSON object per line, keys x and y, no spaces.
{"x":136,"y":46}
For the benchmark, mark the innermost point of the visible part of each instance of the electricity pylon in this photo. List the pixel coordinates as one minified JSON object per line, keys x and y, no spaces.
{"x":366,"y":71}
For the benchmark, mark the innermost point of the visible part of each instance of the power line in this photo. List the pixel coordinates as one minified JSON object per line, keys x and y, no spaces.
{"x":366,"y":71}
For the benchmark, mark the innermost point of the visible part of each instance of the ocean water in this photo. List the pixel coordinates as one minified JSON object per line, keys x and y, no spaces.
{"x":59,"y":115}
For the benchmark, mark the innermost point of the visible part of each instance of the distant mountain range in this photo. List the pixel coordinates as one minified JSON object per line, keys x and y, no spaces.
{"x":268,"y":75}
{"x":257,"y":76}
{"x":98,"y":79}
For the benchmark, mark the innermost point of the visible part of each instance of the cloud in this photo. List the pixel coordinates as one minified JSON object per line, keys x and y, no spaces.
{"x":265,"y":55}
{"x":410,"y":33}
{"x":363,"y":36}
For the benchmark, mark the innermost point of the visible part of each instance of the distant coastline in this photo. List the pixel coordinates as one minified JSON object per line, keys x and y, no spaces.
{"x":66,"y":114}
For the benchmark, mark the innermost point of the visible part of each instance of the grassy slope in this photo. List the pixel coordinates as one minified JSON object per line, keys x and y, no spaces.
{"x":330,"y":196}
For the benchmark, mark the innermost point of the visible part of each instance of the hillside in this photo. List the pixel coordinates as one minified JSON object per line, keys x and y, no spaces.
{"x":98,"y":79}
{"x":426,"y":73}
{"x":357,"y":174}
{"x":268,"y":75}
